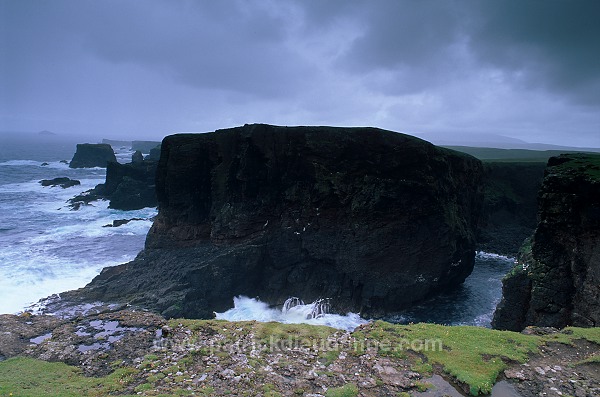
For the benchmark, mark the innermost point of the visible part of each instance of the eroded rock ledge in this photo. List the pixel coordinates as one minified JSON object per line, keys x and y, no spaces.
{"x":371,"y":218}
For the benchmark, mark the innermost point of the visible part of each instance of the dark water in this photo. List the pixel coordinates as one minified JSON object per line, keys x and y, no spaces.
{"x":473,"y":303}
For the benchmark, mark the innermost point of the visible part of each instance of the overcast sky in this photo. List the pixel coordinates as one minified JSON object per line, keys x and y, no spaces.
{"x":143,"y":69}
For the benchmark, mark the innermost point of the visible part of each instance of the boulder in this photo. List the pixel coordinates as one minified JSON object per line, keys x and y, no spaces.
{"x":374,"y":219}
{"x":89,"y":155}
{"x":63,"y":182}
{"x":555,"y":282}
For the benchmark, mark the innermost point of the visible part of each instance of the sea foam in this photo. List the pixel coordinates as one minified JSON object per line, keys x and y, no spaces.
{"x":247,"y":309}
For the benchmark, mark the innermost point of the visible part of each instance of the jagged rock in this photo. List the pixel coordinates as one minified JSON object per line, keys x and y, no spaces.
{"x":556,"y":280}
{"x":89,"y":155}
{"x":62,"y":182}
{"x":374,"y":219}
{"x":121,"y":222}
{"x":137,"y":157}
{"x":131,"y":186}
{"x":45,"y":164}
{"x":128,"y":187}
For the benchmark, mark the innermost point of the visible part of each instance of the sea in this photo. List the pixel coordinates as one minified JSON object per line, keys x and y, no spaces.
{"x":47,"y":248}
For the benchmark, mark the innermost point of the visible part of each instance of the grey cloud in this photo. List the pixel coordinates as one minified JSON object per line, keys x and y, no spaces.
{"x":555,"y":43}
{"x":520,"y":68}
{"x":202,"y":44}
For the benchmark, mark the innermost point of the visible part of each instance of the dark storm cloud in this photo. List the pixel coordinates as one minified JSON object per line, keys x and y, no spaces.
{"x":550,"y":44}
{"x":554,"y":43}
{"x":527,"y":69}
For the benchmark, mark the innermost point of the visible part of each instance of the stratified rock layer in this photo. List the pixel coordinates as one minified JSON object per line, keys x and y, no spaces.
{"x":89,"y":155}
{"x":371,"y":218}
{"x":557,"y":280}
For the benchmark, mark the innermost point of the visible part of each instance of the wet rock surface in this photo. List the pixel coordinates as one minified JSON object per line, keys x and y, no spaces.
{"x":373,"y":219}
{"x":63,"y":182}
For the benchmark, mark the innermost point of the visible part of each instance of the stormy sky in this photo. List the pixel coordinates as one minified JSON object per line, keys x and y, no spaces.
{"x":444,"y":70}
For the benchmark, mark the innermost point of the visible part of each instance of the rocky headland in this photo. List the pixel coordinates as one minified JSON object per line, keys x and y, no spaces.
{"x":89,"y":155}
{"x":373,"y":219}
{"x":128,"y":186}
{"x":556,"y":281}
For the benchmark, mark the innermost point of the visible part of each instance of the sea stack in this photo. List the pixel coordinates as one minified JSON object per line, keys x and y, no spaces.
{"x":556,"y":280}
{"x":89,"y":155}
{"x":373,"y":219}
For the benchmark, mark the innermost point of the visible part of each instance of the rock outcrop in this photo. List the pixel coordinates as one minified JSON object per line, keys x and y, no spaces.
{"x":128,"y":187}
{"x":154,"y":154}
{"x":89,"y":155}
{"x":373,"y":219}
{"x":556,"y":281}
{"x":63,"y":182}
{"x":509,"y":213}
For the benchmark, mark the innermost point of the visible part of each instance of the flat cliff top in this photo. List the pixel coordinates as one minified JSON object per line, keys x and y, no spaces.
{"x":575,"y":164}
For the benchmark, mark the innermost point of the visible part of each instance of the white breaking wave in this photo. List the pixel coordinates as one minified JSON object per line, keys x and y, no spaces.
{"x":248,"y":309}
{"x":489,"y":255}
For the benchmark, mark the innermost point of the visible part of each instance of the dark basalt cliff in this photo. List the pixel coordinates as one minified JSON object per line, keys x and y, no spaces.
{"x":89,"y":155}
{"x":509,"y":213}
{"x":131,"y":186}
{"x":128,"y":186}
{"x":556,"y":281}
{"x":371,"y":218}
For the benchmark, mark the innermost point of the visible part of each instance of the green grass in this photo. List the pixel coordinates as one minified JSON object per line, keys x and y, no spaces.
{"x":348,"y":390}
{"x":472,"y":355}
{"x":24,"y":377}
{"x":579,"y":163}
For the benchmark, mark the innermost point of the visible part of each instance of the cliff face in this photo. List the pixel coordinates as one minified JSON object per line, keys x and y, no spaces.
{"x":373,"y":219}
{"x":89,"y":155}
{"x":509,"y":213}
{"x":131,"y":186}
{"x":557,"y":280}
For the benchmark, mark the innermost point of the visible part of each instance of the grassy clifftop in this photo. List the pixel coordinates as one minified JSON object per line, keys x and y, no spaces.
{"x":218,"y":358}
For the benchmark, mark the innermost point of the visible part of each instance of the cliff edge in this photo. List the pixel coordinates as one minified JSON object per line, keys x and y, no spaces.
{"x":556,"y":281}
{"x":373,"y":219}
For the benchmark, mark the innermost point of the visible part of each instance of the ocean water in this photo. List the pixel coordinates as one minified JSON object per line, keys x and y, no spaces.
{"x":46,"y":248}
{"x":471,"y":303}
